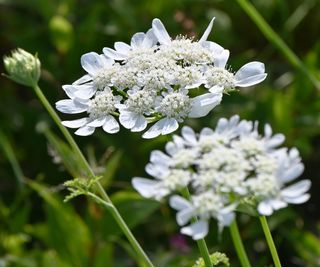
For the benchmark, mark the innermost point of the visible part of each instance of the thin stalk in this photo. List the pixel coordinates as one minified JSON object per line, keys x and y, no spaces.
{"x":201,"y":242}
{"x":270,"y":242}
{"x":236,"y":238}
{"x":116,"y":215}
{"x":9,"y":152}
{"x":276,"y":40}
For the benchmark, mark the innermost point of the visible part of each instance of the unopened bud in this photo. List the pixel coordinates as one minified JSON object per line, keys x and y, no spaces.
{"x":22,"y":67}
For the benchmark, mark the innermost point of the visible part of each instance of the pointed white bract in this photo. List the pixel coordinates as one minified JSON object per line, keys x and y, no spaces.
{"x":153,"y":83}
{"x":222,"y":168}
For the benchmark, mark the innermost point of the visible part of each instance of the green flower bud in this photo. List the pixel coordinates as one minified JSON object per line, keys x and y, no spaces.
{"x":22,"y":67}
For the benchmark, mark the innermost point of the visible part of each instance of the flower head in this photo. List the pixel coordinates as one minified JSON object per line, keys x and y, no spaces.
{"x":23,"y":67}
{"x":224,"y":167}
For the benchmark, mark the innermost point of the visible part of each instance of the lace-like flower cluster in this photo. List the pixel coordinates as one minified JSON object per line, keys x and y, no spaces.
{"x":151,"y":81}
{"x":223,"y":168}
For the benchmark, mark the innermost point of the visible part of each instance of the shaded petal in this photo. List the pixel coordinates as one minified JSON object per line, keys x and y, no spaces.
{"x":92,"y":63}
{"x":189,"y":135}
{"x":158,"y":171}
{"x":150,"y":39}
{"x":296,"y":189}
{"x":111,"y":125}
{"x":83,"y":79}
{"x":197,"y":230}
{"x":205,"y":35}
{"x":278,"y":204}
{"x":85,"y":131}
{"x":158,"y":156}
{"x":213,"y":47}
{"x":70,"y":106}
{"x":144,"y":186}
{"x":297,"y":200}
{"x":110,"y":53}
{"x":122,"y":48}
{"x":203,"y":104}
{"x":155,"y":130}
{"x":160,"y":32}
{"x":292,"y":173}
{"x":75,"y":123}
{"x":221,"y":59}
{"x":128,"y":119}
{"x":97,"y":122}
{"x":179,"y":203}
{"x":137,"y":39}
{"x":140,"y":124}
{"x":170,"y":125}
{"x":184,"y":216}
{"x":250,"y":74}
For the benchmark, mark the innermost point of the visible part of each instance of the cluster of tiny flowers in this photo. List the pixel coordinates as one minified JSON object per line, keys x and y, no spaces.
{"x":223,"y":168}
{"x":149,"y":82}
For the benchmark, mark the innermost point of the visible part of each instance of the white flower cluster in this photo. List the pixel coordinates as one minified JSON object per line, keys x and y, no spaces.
{"x":223,"y":168}
{"x":151,"y":81}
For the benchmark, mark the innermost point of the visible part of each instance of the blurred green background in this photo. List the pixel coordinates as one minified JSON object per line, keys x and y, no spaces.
{"x":38,"y":229}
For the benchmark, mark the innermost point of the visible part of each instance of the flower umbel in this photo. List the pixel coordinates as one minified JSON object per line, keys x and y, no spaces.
{"x":223,"y":168}
{"x":23,"y":67}
{"x":158,"y":78}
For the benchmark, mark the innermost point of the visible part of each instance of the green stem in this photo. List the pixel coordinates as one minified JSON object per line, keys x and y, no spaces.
{"x":9,"y":152}
{"x":116,"y":215}
{"x":274,"y":38}
{"x":236,"y":238}
{"x":201,"y":242}
{"x":270,"y":242}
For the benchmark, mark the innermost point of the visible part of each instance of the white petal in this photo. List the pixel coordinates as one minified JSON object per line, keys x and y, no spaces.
{"x":75,"y":123}
{"x":220,"y":60}
{"x":225,"y":219}
{"x":250,"y":74}
{"x":157,"y":171}
{"x":70,"y":90}
{"x":92,"y":63}
{"x":169,"y":126}
{"x":213,"y":47}
{"x":150,"y":39}
{"x":160,"y":32}
{"x":144,"y":186}
{"x":137,"y":40}
{"x":83,"y":79}
{"x":122,"y":48}
{"x":298,"y":200}
{"x":97,"y":122}
{"x":128,"y":119}
{"x":85,"y":131}
{"x":296,"y":189}
{"x":111,"y":125}
{"x":275,"y":140}
{"x":159,"y":157}
{"x":155,"y":130}
{"x":85,"y":91}
{"x":70,"y":106}
{"x":267,"y":130}
{"x":205,"y":35}
{"x":292,"y":173}
{"x":278,"y":204}
{"x":265,"y":208}
{"x":140,"y":124}
{"x":189,"y":135}
{"x":184,"y":216}
{"x":197,"y":230}
{"x":179,"y":203}
{"x":110,"y":53}
{"x":203,"y":104}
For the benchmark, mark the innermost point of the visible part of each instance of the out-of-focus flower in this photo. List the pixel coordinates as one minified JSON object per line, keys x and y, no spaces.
{"x":224,"y":167}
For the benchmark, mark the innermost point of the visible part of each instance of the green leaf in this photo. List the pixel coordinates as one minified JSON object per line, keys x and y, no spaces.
{"x":68,"y":234}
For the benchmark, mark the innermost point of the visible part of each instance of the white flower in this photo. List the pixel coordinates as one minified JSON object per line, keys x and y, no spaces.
{"x":218,"y":77}
{"x":222,"y":168}
{"x":99,"y":110}
{"x":176,"y":106}
{"x":140,"y":43}
{"x":203,"y":207}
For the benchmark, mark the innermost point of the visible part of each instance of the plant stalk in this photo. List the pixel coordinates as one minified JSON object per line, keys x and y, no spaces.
{"x":116,"y":215}
{"x":236,"y":238}
{"x":270,"y":242}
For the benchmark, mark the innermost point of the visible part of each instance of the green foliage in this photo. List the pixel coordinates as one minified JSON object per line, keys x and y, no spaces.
{"x":38,"y":229}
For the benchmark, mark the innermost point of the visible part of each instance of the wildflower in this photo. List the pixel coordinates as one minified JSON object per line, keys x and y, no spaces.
{"x":23,"y":67}
{"x":222,"y":168}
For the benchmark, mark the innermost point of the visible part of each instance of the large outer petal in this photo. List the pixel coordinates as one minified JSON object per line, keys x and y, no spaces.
{"x":250,"y":74}
{"x":203,"y":104}
{"x":160,"y":32}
